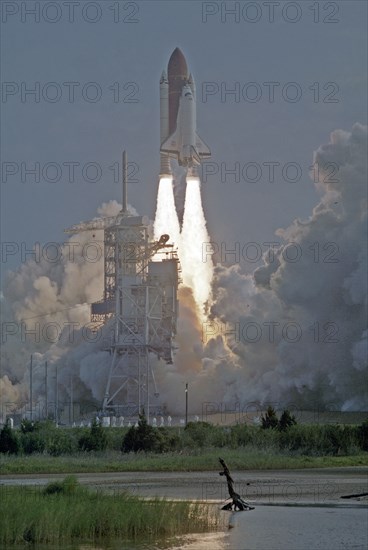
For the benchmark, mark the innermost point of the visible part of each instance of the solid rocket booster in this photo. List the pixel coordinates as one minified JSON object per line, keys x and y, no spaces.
{"x":178,"y":121}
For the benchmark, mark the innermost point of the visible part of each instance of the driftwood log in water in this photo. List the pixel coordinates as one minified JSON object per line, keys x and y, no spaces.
{"x":356,"y":495}
{"x":237,"y":502}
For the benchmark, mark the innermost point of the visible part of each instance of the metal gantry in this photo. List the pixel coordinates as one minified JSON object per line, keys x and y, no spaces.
{"x":140,"y":293}
{"x":145,"y":295}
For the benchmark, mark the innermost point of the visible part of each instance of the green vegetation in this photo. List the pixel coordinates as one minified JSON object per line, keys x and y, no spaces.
{"x":42,"y":447}
{"x":95,"y":440}
{"x":66,"y":512}
{"x":146,"y":438}
{"x":66,"y":487}
{"x":362,"y":435}
{"x":244,"y":458}
{"x":270,"y":420}
{"x":9,"y":442}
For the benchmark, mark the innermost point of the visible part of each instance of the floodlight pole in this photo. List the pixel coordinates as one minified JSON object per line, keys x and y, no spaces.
{"x":186,"y":403}
{"x":31,"y":388}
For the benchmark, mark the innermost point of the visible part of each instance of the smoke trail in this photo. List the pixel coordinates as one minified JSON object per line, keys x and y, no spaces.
{"x":166,"y":219}
{"x":197,"y":274}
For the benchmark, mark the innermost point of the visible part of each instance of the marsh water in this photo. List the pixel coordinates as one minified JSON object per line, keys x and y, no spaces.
{"x":294,"y":510}
{"x":202,"y":541}
{"x":276,"y":527}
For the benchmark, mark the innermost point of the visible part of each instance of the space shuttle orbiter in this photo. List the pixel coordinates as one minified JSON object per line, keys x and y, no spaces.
{"x":178,"y":120}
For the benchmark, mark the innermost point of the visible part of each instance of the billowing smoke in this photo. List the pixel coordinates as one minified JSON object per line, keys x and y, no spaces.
{"x":292,"y":332}
{"x":46,"y":313}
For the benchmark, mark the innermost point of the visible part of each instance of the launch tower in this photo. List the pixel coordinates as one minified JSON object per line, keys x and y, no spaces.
{"x":140,"y":303}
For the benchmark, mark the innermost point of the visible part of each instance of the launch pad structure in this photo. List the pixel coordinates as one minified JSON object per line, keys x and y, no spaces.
{"x":141,"y":275}
{"x":139,"y":305}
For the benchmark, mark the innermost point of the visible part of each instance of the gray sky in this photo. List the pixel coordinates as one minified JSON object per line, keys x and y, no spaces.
{"x":317,"y":56}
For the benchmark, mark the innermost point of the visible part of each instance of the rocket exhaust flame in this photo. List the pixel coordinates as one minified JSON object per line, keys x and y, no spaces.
{"x":197,"y":274}
{"x":166,"y":220}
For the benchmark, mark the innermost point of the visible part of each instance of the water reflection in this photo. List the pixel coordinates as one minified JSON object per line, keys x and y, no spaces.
{"x":300,"y":528}
{"x":197,"y":541}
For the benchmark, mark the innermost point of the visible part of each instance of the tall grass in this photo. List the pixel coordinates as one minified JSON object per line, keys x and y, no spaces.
{"x":36,"y":515}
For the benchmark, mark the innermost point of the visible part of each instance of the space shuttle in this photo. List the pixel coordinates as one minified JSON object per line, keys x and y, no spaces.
{"x":178,"y":119}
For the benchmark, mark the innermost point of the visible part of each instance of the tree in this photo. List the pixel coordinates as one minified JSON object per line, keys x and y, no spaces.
{"x":270,"y":419}
{"x":286,"y":421}
{"x":142,"y":438}
{"x":9,"y":442}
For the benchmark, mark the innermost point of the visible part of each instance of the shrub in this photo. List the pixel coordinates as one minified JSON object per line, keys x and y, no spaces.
{"x":199,"y":433}
{"x":114,"y":438}
{"x":241,"y":434}
{"x":28,"y":426}
{"x":320,"y":440}
{"x":332,"y":439}
{"x":362,"y":435}
{"x":39,"y":437}
{"x":9,"y":442}
{"x":143,"y":438}
{"x":61,"y":442}
{"x":33,"y":442}
{"x":68,"y":486}
{"x":220,"y":436}
{"x":94,"y":440}
{"x":170,"y":440}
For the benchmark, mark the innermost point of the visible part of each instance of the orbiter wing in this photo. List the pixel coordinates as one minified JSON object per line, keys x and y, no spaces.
{"x":172,"y":145}
{"x":175,"y":148}
{"x":202,"y":149}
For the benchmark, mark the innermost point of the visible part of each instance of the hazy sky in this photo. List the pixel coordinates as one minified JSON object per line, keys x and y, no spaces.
{"x":320,"y":56}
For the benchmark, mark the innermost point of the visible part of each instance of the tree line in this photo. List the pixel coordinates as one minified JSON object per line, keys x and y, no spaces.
{"x":281,"y":434}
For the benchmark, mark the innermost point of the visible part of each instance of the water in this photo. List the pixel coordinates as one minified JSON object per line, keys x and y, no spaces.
{"x":202,"y":541}
{"x":300,"y":528}
{"x":265,"y":528}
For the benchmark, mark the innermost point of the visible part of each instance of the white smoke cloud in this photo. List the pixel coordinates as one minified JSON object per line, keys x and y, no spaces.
{"x":46,"y":313}
{"x":225,"y":359}
{"x":248,"y":354}
{"x":324,"y":293}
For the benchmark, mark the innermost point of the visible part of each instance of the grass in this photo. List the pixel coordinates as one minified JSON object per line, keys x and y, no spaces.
{"x":66,"y":512}
{"x":244,"y":458}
